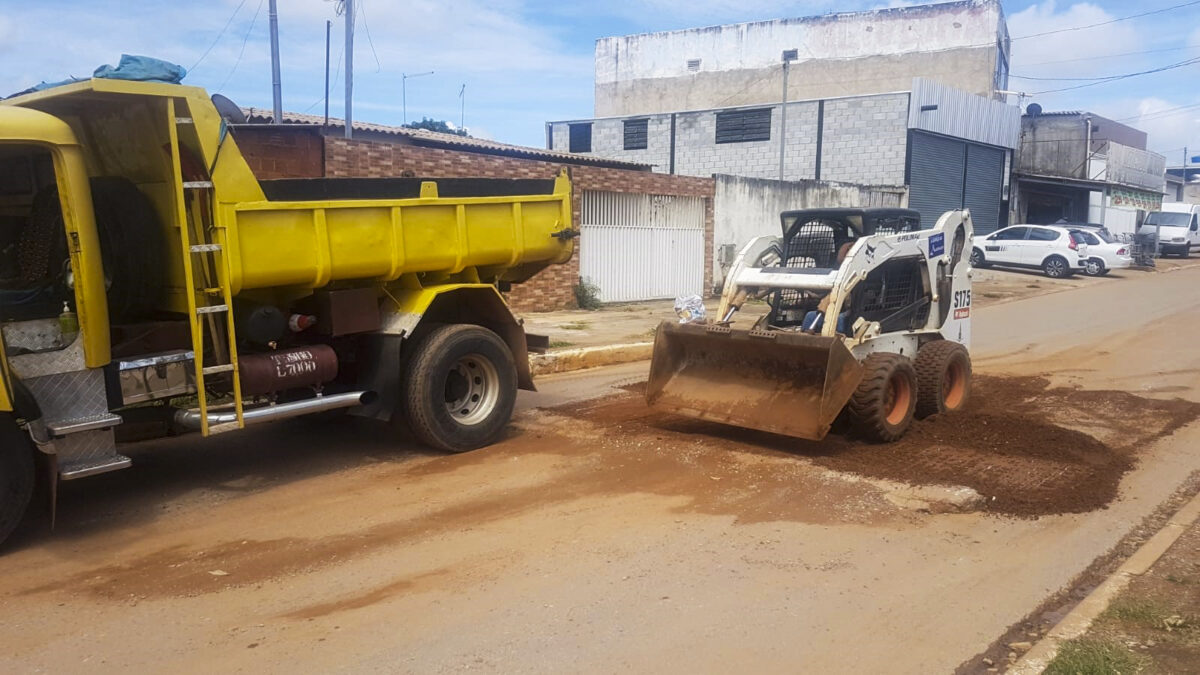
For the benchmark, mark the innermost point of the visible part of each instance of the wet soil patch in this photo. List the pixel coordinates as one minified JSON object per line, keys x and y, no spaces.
{"x":1029,"y":450}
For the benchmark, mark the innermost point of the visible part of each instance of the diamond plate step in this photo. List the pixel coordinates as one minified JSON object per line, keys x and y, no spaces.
{"x":80,"y":424}
{"x":91,"y":467}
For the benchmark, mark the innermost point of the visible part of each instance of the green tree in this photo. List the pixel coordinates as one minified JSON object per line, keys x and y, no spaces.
{"x":440,"y":126}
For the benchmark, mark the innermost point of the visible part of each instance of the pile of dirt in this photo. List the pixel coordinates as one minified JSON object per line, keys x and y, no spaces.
{"x":1029,"y":450}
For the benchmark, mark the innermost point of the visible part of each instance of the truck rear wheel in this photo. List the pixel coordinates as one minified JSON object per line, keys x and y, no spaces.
{"x":16,"y":474}
{"x":460,"y":388}
{"x":882,"y":407}
{"x":943,"y":378}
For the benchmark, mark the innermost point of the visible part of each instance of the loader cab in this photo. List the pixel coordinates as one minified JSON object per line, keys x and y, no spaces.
{"x":817,"y":241}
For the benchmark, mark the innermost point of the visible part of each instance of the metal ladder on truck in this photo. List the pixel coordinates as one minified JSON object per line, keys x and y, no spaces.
{"x":209,"y":297}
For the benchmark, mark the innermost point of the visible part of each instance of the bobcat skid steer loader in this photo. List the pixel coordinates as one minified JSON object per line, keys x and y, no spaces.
{"x":870,"y":317}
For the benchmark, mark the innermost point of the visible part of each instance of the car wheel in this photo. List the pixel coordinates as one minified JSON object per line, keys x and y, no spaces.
{"x":1056,"y":267}
{"x":1094,"y":267}
{"x":1186,"y":251}
{"x":977,"y":259}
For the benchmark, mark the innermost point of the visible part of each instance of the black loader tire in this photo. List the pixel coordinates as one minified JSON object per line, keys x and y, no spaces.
{"x":464,"y":363}
{"x":882,"y":407}
{"x":943,"y":378}
{"x":133,"y":246}
{"x":16,"y":474}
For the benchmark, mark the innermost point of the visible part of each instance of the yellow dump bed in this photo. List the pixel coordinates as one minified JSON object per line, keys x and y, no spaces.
{"x":282,"y":237}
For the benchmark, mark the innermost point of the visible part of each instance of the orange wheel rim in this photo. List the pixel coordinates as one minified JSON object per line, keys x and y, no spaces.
{"x":899,"y":399}
{"x":954,"y":386}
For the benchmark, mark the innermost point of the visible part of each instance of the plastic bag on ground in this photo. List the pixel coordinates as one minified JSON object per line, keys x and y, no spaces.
{"x":690,"y":309}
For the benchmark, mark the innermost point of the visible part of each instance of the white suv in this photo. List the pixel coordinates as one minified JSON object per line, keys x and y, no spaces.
{"x":1049,"y":248}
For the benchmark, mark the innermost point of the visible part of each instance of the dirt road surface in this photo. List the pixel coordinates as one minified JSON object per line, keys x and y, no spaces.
{"x":600,"y":537}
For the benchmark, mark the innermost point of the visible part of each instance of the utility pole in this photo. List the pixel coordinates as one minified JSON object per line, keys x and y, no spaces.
{"x":349,"y":17}
{"x":789,"y":55}
{"x":462,"y":114}
{"x":276,"y":86}
{"x":328,"y":28}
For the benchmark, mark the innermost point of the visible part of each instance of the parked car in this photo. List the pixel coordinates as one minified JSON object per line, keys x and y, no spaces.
{"x":1049,"y":248}
{"x":1177,"y":226}
{"x":1104,"y":251}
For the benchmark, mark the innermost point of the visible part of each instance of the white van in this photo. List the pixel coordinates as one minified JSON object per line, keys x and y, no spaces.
{"x":1178,"y":227}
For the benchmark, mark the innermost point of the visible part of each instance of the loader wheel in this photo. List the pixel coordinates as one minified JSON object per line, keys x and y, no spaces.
{"x":882,"y":407}
{"x":16,"y":474}
{"x":460,"y":388}
{"x":943,"y":378}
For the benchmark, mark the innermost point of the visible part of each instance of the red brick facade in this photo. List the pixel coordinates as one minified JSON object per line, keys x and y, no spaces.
{"x":287,"y":154}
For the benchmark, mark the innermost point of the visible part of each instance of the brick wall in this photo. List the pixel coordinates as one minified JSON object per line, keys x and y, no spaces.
{"x":277,"y":155}
{"x":282,"y":152}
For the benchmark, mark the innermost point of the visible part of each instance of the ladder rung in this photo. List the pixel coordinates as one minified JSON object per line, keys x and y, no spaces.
{"x":197,"y":184}
{"x":205,"y":248}
{"x":223,"y":368}
{"x":212,"y":309}
{"x":211,"y":291}
{"x":183,"y":120}
{"x":214,"y":429}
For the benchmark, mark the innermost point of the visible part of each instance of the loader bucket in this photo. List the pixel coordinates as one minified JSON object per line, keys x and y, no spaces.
{"x":785,"y":383}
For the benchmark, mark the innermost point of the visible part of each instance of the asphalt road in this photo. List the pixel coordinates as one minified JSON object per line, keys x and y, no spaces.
{"x":298,"y":547}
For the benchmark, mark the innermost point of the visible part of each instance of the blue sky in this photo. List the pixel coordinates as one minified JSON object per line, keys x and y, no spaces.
{"x":528,"y":61}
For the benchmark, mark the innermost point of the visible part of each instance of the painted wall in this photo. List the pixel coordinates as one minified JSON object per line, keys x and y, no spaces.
{"x":863,"y":141}
{"x":744,"y":208}
{"x":962,"y":44}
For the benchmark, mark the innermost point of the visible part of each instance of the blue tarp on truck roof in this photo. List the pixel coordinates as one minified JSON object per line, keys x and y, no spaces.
{"x":130,"y":67}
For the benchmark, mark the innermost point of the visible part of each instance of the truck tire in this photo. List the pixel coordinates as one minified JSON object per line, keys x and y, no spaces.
{"x":882,"y":407}
{"x":16,"y":474}
{"x":460,"y":388}
{"x":943,"y":378}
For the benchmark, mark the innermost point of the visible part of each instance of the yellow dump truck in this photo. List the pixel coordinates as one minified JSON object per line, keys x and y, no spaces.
{"x":147,"y":278}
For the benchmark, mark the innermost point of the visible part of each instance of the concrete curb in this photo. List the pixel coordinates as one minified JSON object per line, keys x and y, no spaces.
{"x":1080,"y":619}
{"x":589,"y":357}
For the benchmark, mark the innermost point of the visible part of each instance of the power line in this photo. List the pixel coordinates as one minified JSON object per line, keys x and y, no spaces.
{"x":1115,"y":78}
{"x":218,"y":38}
{"x":1180,"y":64}
{"x":362,"y":9}
{"x":245,"y":39}
{"x":1111,"y":56}
{"x":1110,"y":21}
{"x":1160,"y":114}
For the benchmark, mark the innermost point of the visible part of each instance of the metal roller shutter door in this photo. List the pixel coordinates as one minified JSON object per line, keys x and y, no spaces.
{"x":642,"y":247}
{"x":985,"y":179}
{"x":936,"y":166}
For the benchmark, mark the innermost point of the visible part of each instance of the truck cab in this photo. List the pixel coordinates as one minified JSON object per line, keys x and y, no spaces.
{"x":145,"y":273}
{"x":1177,"y":226}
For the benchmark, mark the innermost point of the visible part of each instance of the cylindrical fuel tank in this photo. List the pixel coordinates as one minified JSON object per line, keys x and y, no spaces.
{"x":293,"y":368}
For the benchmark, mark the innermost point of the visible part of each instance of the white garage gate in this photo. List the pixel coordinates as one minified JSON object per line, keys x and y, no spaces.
{"x":642,"y":247}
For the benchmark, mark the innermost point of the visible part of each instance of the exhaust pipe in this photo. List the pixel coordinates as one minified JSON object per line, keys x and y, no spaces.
{"x":190,"y":419}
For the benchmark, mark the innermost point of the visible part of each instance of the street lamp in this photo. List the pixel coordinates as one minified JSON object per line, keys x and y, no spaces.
{"x":787,"y":57}
{"x":404,"y":91}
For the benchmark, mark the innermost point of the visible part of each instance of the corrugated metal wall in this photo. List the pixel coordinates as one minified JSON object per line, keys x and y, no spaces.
{"x":642,"y":247}
{"x":953,"y":112}
{"x":935,"y":183}
{"x":947,"y":173}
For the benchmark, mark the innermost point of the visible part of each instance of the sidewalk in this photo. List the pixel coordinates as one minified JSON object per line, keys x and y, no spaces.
{"x":1145,"y":617}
